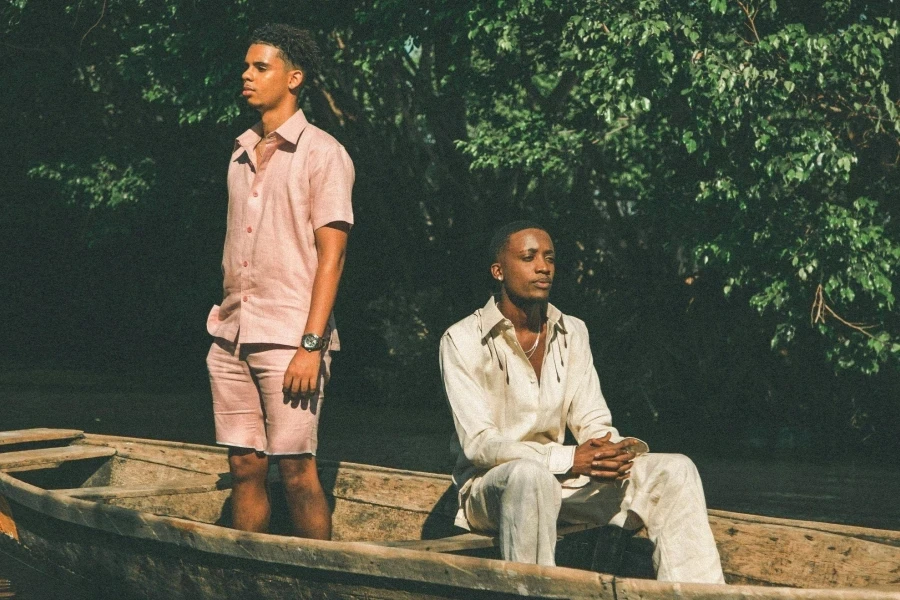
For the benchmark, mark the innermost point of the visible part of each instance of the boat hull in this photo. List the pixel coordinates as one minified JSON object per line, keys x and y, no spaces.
{"x":118,"y":550}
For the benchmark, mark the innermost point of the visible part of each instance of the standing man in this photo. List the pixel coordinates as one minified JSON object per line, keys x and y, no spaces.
{"x":289,"y":214}
{"x":517,"y":373}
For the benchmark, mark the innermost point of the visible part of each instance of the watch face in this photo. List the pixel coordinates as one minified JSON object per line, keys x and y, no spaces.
{"x":311,"y":341}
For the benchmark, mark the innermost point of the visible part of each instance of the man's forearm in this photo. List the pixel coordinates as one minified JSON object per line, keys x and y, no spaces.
{"x":324,"y":293}
{"x":331,"y":246}
{"x":488,"y":453}
{"x":302,"y":374}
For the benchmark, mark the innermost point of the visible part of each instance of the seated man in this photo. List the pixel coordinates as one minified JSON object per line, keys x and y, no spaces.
{"x":516,"y":373}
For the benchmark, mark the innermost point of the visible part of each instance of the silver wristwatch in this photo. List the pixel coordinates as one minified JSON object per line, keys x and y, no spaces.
{"x":312,"y":342}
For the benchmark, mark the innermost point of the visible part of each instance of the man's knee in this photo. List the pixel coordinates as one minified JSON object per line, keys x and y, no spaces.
{"x":681,"y":466}
{"x":299,"y":472}
{"x":529,"y":475}
{"x":674,"y":467}
{"x":248,"y":466}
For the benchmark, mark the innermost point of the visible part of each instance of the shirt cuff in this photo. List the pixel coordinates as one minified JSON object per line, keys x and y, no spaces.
{"x":560,"y":459}
{"x":639,"y":447}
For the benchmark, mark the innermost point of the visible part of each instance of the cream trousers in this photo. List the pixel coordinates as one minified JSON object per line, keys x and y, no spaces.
{"x":523,"y":501}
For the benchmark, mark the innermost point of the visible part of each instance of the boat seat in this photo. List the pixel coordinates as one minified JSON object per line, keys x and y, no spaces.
{"x":27,"y":460}
{"x":196,"y":484}
{"x":469,"y":541}
{"x":40,"y":434}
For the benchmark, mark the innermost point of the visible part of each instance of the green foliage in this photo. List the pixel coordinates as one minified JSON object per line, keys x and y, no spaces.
{"x":103,"y":183}
{"x":719,"y":154}
{"x":765,"y":151}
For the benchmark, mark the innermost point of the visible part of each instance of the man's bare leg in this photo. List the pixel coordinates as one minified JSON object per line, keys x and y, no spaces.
{"x":310,"y":514}
{"x":249,"y":497}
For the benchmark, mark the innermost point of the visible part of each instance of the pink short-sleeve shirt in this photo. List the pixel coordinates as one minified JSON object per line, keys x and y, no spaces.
{"x":303,"y":181}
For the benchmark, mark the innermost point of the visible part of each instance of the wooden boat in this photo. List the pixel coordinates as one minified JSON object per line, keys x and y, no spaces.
{"x":146,"y":517}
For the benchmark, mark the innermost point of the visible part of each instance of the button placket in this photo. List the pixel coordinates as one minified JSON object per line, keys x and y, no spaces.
{"x":252,"y":215}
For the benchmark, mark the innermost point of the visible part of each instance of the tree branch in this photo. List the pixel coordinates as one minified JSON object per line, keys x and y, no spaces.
{"x":820,"y":310}
{"x":751,"y":19}
{"x":102,"y":13}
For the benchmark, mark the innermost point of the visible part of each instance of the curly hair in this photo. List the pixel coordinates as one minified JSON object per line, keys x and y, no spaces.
{"x":295,"y":46}
{"x":502,"y":234}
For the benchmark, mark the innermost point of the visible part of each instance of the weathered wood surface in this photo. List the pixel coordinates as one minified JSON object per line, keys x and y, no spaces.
{"x":796,"y":556}
{"x":122,"y":471}
{"x":49,"y":457}
{"x":154,"y":573}
{"x":354,"y":570}
{"x":192,"y":485}
{"x":370,"y":503}
{"x":643,"y":589}
{"x":886,"y":536}
{"x":41,"y":434}
{"x":392,"y":489}
{"x":385,"y":504}
{"x":469,"y":541}
{"x":203,"y":507}
{"x":395,"y":567}
{"x":186,"y":457}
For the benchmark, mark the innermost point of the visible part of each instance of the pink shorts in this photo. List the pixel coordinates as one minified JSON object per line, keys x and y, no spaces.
{"x":249,"y":402}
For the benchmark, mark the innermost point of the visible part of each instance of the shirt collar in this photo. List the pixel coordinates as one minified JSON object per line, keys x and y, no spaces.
{"x":289,"y":131}
{"x":491,"y":317}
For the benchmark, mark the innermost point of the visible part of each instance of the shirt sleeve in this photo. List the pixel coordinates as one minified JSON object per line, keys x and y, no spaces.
{"x":589,"y":416}
{"x":331,"y":177}
{"x":481,"y":440}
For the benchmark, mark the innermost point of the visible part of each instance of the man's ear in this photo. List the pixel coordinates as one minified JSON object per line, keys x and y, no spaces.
{"x":497,"y":272}
{"x":296,"y":80}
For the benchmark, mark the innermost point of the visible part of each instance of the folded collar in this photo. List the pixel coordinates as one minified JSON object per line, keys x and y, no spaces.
{"x":491,"y":317}
{"x":289,"y":131}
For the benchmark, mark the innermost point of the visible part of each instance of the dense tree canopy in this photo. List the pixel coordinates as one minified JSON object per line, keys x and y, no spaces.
{"x":719,"y":176}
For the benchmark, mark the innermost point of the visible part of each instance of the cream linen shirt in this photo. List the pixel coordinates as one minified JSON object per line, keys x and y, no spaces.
{"x":303,"y":181}
{"x":502,"y":412}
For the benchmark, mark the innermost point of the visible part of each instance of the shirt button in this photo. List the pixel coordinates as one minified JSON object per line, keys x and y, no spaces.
{"x":249,"y":229}
{"x":246,"y":298}
{"x":246,"y":264}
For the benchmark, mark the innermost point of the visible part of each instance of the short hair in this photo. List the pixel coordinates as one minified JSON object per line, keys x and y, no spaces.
{"x":502,"y":234}
{"x":295,"y":46}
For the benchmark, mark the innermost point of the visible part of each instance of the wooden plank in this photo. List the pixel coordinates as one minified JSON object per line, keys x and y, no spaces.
{"x":41,"y":434}
{"x":886,"y":536}
{"x":47,"y":457}
{"x":360,"y":522}
{"x":116,"y":440}
{"x":470,"y":541}
{"x":647,"y":589}
{"x":455,"y":543}
{"x":783,"y":555}
{"x":408,"y":492}
{"x":185,"y":459}
{"x":220,"y":453}
{"x":209,"y":507}
{"x":188,"y":485}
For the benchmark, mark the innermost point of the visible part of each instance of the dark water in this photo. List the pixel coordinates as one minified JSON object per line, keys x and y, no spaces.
{"x":853,"y":492}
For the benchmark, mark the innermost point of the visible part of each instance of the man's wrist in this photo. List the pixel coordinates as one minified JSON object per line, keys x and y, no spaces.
{"x":312,"y":342}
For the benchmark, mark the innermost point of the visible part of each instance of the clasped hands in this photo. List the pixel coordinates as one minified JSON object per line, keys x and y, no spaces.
{"x":603,"y":460}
